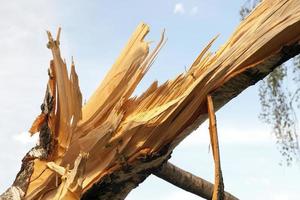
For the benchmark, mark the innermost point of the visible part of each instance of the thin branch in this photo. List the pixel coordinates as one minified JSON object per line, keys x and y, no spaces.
{"x":219,"y":185}
{"x":188,"y":181}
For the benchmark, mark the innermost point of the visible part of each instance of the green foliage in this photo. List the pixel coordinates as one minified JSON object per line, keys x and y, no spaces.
{"x":279,"y":95}
{"x":278,"y":111}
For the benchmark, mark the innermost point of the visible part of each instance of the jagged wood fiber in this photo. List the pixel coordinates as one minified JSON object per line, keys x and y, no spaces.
{"x":129,"y":137}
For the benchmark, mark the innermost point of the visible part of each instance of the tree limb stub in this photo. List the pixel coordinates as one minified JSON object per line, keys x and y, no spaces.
{"x":129,"y":137}
{"x":188,"y":181}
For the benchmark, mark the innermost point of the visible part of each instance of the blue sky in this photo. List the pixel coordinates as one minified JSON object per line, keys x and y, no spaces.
{"x":94,"y":32}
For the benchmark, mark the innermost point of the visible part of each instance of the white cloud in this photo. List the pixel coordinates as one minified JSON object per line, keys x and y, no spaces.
{"x":181,"y":194}
{"x":179,"y":8}
{"x":24,"y":138}
{"x":194,"y":10}
{"x":228,"y":136}
{"x":284,"y":196}
{"x":258,"y":181}
{"x":23,"y":77}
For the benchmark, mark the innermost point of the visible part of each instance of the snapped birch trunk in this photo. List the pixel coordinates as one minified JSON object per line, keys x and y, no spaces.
{"x":127,"y":138}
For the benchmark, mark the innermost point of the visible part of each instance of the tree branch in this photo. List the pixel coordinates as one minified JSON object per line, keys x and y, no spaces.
{"x":219,"y":185}
{"x":188,"y":181}
{"x":128,"y":138}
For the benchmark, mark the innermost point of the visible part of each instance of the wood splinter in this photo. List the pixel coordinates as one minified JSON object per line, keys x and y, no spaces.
{"x":154,"y":122}
{"x":71,"y":180}
{"x":218,"y":192}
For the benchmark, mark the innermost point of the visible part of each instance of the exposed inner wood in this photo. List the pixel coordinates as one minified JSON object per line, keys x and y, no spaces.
{"x":218,"y":192}
{"x":129,"y":137}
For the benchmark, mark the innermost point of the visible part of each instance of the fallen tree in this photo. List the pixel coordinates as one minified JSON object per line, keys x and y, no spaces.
{"x":106,"y":148}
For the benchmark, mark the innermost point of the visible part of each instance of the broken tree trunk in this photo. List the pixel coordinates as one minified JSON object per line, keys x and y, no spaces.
{"x":127,"y":138}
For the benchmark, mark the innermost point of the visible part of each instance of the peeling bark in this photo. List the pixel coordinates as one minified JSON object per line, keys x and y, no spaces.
{"x":128,"y":138}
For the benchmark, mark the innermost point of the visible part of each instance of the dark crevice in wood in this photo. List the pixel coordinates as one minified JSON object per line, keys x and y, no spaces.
{"x":117,"y":185}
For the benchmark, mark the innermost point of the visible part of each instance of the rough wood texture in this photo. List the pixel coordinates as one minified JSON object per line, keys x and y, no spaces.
{"x":129,"y":137}
{"x":71,"y":180}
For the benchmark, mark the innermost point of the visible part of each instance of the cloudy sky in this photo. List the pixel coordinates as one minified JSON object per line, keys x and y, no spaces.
{"x":94,"y":32}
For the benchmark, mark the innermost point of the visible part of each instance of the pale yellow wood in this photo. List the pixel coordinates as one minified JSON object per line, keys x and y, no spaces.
{"x":114,"y":125}
{"x":218,"y":192}
{"x":70,"y":187}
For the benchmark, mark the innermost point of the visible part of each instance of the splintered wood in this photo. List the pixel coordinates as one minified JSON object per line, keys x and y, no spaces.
{"x":218,"y":192}
{"x":116,"y":129}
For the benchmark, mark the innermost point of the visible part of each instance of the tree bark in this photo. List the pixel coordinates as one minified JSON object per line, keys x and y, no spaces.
{"x":188,"y":181}
{"x":129,"y":138}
